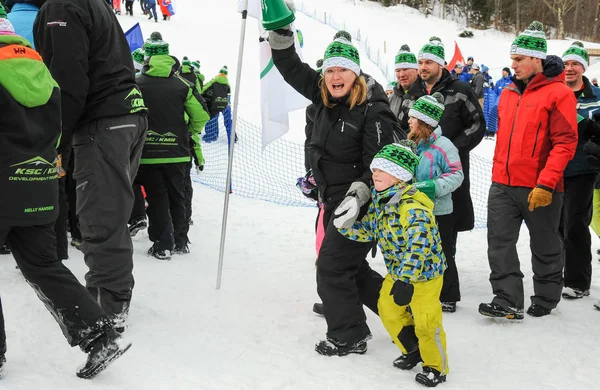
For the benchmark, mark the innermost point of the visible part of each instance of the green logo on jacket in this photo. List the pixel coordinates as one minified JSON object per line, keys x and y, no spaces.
{"x":34,"y":169}
{"x":167,"y":139}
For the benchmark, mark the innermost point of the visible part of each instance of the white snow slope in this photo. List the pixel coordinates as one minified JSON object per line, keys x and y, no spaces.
{"x":258,"y":331}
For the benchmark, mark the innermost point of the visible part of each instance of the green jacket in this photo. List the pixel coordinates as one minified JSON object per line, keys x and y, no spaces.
{"x":169,"y":97}
{"x":30,"y":129}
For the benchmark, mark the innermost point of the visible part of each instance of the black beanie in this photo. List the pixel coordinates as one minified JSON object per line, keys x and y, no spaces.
{"x":507,"y":70}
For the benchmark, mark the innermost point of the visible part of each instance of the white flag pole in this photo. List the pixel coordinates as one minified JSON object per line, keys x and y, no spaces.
{"x":236,"y":100}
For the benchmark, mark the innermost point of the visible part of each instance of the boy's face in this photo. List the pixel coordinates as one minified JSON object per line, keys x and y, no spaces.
{"x":383,"y":180}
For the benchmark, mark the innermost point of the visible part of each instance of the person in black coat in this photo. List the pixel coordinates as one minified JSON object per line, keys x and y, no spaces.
{"x":352,"y":122}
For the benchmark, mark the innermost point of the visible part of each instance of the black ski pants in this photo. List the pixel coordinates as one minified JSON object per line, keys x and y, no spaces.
{"x":575,"y":230}
{"x":507,"y":209}
{"x":71,"y":185}
{"x":138,"y":211}
{"x":107,"y":157}
{"x":129,"y":7}
{"x":345,"y":282}
{"x":451,"y":288}
{"x":189,"y":191}
{"x":61,"y":224}
{"x":164,"y":183}
{"x":79,"y":316}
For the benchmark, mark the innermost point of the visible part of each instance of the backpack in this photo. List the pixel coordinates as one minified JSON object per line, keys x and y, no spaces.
{"x":216,"y":97}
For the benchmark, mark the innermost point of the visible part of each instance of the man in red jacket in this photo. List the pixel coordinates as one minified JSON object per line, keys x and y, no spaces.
{"x":537,"y":137}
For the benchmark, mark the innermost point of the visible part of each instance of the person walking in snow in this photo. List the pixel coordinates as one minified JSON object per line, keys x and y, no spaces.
{"x":104,"y":119}
{"x":151,"y":10}
{"x":537,"y":137}
{"x":29,"y":131}
{"x":352,"y":123}
{"x":129,"y":7}
{"x":463,"y":124}
{"x":400,"y":220}
{"x":438,"y":174}
{"x":477,"y":83}
{"x":216,"y":93}
{"x":406,"y":70}
{"x":166,"y":155}
{"x":579,"y":178}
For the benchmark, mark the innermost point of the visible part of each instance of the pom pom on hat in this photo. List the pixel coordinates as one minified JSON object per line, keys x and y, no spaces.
{"x":343,"y":34}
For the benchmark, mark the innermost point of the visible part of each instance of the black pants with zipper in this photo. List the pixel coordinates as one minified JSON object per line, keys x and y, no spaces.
{"x":164,"y":183}
{"x":575,"y":232}
{"x":345,"y":282}
{"x":80,"y":318}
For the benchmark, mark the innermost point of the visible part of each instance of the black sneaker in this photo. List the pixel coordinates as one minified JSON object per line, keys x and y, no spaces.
{"x":408,"y":361}
{"x":430,"y":377}
{"x":333,"y":347}
{"x":160,"y":254}
{"x":2,"y":361}
{"x":497,"y":311}
{"x":4,"y":250}
{"x":449,"y":307}
{"x":103,"y":351}
{"x":574,"y":293}
{"x":538,"y":311}
{"x":136,"y":226}
{"x":181,"y":249}
{"x":319,"y":309}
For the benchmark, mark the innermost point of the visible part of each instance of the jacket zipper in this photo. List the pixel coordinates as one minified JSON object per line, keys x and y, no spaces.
{"x":536,"y":138}
{"x":343,"y":123}
{"x":512,"y":129}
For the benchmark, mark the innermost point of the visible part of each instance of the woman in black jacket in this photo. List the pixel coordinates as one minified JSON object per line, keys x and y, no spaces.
{"x":352,"y":122}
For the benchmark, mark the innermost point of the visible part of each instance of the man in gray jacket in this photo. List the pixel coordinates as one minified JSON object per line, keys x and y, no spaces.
{"x":477,"y":82}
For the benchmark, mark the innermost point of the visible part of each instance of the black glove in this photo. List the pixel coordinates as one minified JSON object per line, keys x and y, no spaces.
{"x":591,"y":129}
{"x":402,"y":292}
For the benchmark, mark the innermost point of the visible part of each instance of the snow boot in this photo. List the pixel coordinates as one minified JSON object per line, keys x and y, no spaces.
{"x":333,"y":347}
{"x":4,"y":250}
{"x":408,"y":361}
{"x":2,"y":361}
{"x":430,"y":377}
{"x":538,"y":311}
{"x":107,"y":348}
{"x":497,"y":311}
{"x":449,"y":307}
{"x":319,"y":309}
{"x":575,"y":293}
{"x":181,"y":249}
{"x":160,"y":254}
{"x":136,"y":226}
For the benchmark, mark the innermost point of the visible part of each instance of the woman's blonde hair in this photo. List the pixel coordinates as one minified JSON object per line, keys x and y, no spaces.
{"x":422,"y":132}
{"x":358,"y":93}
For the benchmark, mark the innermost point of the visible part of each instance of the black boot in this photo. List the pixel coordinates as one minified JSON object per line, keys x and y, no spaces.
{"x":408,"y":361}
{"x":497,"y":311}
{"x":333,"y":347}
{"x":448,"y":307}
{"x":103,"y":351}
{"x":430,"y":377}
{"x":538,"y":311}
{"x":319,"y":309}
{"x":4,"y":250}
{"x":136,"y":226}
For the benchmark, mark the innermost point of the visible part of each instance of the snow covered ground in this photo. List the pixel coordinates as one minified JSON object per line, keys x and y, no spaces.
{"x":258,"y":331}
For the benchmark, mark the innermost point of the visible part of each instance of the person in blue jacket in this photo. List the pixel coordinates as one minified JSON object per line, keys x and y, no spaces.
{"x":504,"y":82}
{"x":22,"y":15}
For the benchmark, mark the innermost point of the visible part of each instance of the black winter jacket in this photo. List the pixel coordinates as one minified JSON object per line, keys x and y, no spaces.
{"x":343,"y":141}
{"x":464,"y":124}
{"x":85,"y":49}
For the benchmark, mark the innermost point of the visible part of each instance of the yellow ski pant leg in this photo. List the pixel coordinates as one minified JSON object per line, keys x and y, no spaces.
{"x":393,"y":317}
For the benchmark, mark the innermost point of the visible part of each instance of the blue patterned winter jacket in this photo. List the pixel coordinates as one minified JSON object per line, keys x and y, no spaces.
{"x":400,"y":219}
{"x":440,"y":164}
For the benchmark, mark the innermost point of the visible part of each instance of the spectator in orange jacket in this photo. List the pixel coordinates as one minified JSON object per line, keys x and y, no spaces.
{"x":537,"y":137}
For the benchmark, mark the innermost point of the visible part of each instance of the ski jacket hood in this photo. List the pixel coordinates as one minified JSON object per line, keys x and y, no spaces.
{"x":23,"y":73}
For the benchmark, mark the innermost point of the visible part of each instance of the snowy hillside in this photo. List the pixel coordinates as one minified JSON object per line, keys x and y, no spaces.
{"x":258,"y":331}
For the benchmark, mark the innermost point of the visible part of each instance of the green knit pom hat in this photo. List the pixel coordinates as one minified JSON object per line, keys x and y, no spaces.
{"x":196,"y":65}
{"x":576,"y":52}
{"x":341,"y":53}
{"x":186,"y":61}
{"x":3,"y":14}
{"x":223,"y":70}
{"x":531,"y":42}
{"x":429,"y":109}
{"x":405,"y":59}
{"x":399,"y":160}
{"x":138,"y":56}
{"x":433,"y":50}
{"x":155,"y":45}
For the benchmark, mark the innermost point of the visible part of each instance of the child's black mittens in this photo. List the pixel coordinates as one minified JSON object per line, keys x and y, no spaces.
{"x":402,"y":292}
